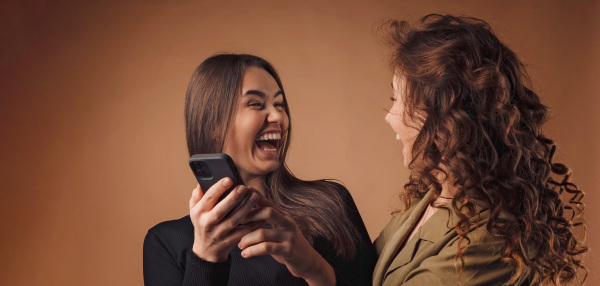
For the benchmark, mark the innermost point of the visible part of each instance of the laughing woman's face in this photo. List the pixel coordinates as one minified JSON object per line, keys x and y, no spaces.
{"x":405,"y":127}
{"x":260,"y":122}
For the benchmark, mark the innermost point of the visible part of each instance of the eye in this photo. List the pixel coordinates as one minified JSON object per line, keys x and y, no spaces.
{"x":254,"y":104}
{"x":279,"y":105}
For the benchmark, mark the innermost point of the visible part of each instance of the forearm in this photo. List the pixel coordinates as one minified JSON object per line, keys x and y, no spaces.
{"x":321,"y":274}
{"x":201,"y":272}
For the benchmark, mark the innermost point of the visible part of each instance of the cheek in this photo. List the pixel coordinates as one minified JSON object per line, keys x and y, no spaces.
{"x":410,"y":136}
{"x":396,"y":124}
{"x":286,"y":121}
{"x":248,"y":126}
{"x":407,"y":134}
{"x":231,"y":142}
{"x":394,"y":118}
{"x":240,"y":136}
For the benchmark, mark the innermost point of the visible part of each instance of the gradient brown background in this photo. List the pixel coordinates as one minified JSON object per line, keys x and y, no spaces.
{"x":91,"y":112}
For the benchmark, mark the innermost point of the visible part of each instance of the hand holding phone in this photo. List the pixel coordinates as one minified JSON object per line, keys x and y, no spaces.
{"x":210,"y":168}
{"x":216,"y":222}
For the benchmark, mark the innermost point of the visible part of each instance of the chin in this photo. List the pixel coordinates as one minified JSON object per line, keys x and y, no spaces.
{"x":272,"y":169}
{"x":266,"y":169}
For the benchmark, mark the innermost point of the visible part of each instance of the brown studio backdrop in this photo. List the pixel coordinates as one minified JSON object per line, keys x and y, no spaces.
{"x":91,"y":111}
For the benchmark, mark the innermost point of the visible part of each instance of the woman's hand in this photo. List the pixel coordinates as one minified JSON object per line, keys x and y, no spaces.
{"x":284,"y":241}
{"x":215,"y":231}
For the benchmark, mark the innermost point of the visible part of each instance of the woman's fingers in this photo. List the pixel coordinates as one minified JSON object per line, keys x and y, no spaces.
{"x":262,"y":200}
{"x":240,"y":231}
{"x":196,"y":196}
{"x":244,"y":207}
{"x":261,"y":235}
{"x":272,"y":215}
{"x":229,"y":203}
{"x":212,"y":195}
{"x":263,"y":248}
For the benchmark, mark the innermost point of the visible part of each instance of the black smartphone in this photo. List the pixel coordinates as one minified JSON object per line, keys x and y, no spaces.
{"x":210,"y":168}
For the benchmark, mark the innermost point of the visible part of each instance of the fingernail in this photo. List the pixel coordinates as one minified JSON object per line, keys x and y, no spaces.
{"x":241,"y":189}
{"x":244,"y":253}
{"x":254,"y":197}
{"x":226,"y":182}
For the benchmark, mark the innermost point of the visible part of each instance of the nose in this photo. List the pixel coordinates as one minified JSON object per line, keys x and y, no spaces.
{"x":275,"y":116}
{"x":388,"y":117}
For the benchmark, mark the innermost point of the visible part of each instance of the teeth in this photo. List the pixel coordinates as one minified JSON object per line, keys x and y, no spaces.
{"x":269,"y":136}
{"x":397,"y":137}
{"x":267,"y":149}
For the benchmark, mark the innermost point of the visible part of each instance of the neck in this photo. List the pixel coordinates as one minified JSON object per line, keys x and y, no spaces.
{"x":448,"y":191}
{"x":255,"y":182}
{"x":445,"y":196}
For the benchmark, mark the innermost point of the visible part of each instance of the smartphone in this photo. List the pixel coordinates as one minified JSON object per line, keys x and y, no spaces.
{"x":210,"y":168}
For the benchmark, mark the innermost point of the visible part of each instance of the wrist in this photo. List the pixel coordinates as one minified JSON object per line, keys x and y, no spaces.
{"x":207,"y":256}
{"x":320,"y":273}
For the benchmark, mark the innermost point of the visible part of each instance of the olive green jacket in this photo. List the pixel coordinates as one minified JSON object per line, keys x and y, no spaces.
{"x":429,"y":257}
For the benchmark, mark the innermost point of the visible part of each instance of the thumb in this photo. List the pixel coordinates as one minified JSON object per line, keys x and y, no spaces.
{"x":197,"y":194}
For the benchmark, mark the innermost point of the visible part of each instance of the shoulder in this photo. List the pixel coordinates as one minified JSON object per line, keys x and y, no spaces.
{"x":397,"y":220}
{"x":176,"y":225}
{"x":399,"y":215}
{"x":343,"y":194}
{"x":166,"y":249}
{"x":341,"y":189}
{"x":173,"y":232}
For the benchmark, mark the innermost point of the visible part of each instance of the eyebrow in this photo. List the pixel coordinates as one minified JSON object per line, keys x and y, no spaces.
{"x":260,"y":93}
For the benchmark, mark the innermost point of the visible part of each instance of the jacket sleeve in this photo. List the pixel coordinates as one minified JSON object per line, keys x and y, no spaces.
{"x":385,"y":234}
{"x":162,"y":266}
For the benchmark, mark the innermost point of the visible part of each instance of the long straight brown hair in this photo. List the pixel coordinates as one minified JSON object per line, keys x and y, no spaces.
{"x":212,"y":94}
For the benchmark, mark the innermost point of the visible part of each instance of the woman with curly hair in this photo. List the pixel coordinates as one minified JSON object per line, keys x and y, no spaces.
{"x":486,"y":204}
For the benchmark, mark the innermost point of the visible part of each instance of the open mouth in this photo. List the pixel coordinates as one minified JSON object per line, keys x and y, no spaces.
{"x":268,"y":141}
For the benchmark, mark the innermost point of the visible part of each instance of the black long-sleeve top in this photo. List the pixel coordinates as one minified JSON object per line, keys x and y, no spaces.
{"x":169,"y":260}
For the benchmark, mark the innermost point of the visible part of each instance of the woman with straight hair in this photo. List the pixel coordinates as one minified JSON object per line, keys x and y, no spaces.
{"x":485,"y":202}
{"x":286,"y":231}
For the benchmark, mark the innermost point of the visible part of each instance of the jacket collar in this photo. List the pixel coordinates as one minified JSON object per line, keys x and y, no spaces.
{"x":392,"y":247}
{"x":436,"y":227}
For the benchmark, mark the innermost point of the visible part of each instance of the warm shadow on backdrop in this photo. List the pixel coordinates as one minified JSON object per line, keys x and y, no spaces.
{"x":91,"y":112}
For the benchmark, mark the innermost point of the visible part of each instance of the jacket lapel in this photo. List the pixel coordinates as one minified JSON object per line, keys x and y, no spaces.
{"x":392,"y":247}
{"x":406,"y":254}
{"x":439,"y":224}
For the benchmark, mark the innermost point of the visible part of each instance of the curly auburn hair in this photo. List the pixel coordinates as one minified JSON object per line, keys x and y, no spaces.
{"x":482,"y":132}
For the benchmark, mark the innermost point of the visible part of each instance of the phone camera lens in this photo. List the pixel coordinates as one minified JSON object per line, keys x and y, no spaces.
{"x":202,"y":170}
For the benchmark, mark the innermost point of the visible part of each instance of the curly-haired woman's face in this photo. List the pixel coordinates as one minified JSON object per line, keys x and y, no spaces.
{"x":405,"y":127}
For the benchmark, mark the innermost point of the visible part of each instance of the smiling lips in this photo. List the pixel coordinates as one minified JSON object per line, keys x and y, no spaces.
{"x":268,"y":141}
